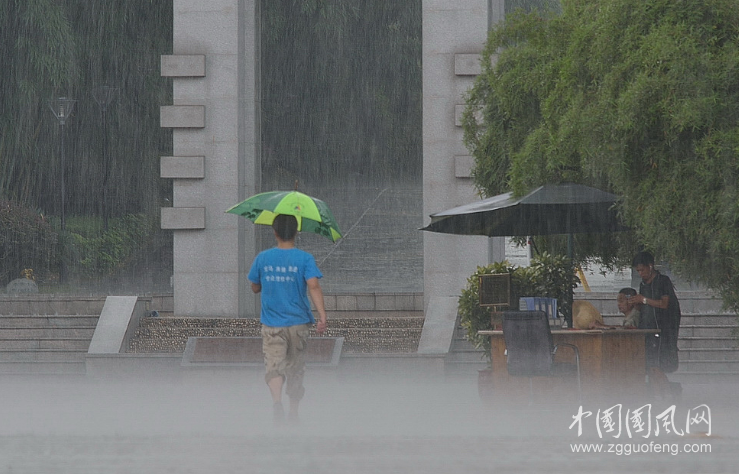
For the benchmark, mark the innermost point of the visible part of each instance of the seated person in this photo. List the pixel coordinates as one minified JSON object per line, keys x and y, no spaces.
{"x":586,"y":316}
{"x":630,"y":310}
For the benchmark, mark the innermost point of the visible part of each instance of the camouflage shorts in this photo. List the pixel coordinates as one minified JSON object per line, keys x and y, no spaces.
{"x":284,"y":356}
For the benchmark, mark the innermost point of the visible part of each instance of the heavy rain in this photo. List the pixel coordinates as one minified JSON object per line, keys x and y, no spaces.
{"x":341,"y":117}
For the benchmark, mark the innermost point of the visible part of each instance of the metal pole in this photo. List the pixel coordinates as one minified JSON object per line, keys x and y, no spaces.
{"x":106,"y":170}
{"x":62,"y":108}
{"x":63,"y":269}
{"x":570,"y":296}
{"x":61,"y":174}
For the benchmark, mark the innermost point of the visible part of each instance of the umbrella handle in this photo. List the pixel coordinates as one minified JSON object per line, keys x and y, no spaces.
{"x":296,"y":184}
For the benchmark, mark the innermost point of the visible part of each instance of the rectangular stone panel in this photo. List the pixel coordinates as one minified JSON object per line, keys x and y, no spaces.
{"x":183,"y":65}
{"x":467,"y":64}
{"x":459,"y":111}
{"x":175,"y":167}
{"x":182,"y":116}
{"x":182,"y":218}
{"x":463,"y":166}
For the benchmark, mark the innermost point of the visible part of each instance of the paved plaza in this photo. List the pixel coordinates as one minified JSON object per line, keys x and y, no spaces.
{"x":206,"y":421}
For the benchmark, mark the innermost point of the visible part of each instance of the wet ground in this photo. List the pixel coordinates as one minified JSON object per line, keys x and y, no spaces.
{"x":220,"y":422}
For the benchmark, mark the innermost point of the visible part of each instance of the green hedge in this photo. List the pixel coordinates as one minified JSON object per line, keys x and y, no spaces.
{"x":93,"y":253}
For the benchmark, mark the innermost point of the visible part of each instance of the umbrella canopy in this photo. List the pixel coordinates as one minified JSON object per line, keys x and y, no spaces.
{"x":549,"y":209}
{"x":313,"y":214}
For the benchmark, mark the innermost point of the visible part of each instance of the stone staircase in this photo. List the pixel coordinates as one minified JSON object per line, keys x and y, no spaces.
{"x":708,"y":345}
{"x":45,"y":344}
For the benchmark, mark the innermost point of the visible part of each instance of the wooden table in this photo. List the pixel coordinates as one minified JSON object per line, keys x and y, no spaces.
{"x":612,"y":362}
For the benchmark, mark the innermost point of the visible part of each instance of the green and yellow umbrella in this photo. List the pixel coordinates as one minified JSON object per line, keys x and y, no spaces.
{"x":313,"y":214}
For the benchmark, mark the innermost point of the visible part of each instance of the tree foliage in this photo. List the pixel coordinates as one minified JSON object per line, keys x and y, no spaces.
{"x":54,"y":48}
{"x":69,"y":48}
{"x":637,"y":97}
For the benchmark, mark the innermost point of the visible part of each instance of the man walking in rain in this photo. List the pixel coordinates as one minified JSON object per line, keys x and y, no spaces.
{"x":284,"y":275}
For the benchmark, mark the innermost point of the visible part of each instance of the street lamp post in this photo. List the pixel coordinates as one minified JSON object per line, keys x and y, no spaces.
{"x":62,"y":109}
{"x":104,"y":95}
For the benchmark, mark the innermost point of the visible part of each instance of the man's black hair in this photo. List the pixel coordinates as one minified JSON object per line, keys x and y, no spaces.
{"x":643,"y":258}
{"x":628,"y":291}
{"x":285,"y":226}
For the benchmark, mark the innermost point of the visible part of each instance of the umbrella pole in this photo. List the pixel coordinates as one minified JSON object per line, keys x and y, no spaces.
{"x":570,"y":291}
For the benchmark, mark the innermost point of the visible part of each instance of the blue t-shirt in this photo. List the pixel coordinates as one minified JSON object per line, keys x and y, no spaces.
{"x":283,"y":274}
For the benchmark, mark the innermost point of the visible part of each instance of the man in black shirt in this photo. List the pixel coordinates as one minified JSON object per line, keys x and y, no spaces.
{"x":660,"y":309}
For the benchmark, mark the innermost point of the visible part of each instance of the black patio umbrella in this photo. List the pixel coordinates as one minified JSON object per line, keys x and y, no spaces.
{"x":547,"y":210}
{"x":550,"y":209}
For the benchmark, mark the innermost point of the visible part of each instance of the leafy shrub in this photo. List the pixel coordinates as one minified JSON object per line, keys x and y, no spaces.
{"x":547,"y":276}
{"x":27,"y":241}
{"x":96,"y":254}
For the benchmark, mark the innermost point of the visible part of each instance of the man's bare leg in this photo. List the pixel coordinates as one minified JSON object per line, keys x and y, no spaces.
{"x":293,"y":414}
{"x":275,"y":389}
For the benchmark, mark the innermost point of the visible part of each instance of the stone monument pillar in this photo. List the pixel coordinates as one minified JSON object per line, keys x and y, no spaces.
{"x":454,"y":34}
{"x":215,"y":122}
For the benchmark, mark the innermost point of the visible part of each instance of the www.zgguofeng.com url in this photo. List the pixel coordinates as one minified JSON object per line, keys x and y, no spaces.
{"x":627,"y":449}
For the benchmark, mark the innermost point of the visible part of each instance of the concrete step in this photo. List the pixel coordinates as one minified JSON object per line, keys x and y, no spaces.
{"x":42,"y":368}
{"x":705,"y":366}
{"x":47,"y":333}
{"x":696,"y":342}
{"x":80,"y":344}
{"x":709,"y":318}
{"x":464,"y":371}
{"x":710,"y":330}
{"x":476,"y":357}
{"x":47,"y":321}
{"x":708,"y":376}
{"x":463,"y":346}
{"x":710,"y":353}
{"x":44,"y":304}
{"x":43,"y":355}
